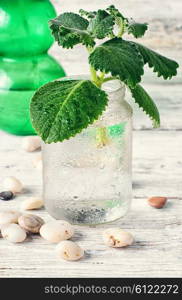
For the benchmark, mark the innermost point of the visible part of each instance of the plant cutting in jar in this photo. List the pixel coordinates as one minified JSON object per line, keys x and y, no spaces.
{"x":87,"y":178}
{"x":61,"y":109}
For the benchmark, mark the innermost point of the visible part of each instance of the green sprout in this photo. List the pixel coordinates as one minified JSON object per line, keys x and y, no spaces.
{"x":61,"y":109}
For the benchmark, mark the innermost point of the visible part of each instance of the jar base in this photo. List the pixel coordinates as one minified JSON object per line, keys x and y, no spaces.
{"x":87,"y":217}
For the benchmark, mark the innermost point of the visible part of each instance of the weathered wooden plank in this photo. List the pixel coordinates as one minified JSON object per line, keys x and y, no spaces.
{"x":156,"y":171}
{"x":156,"y":163}
{"x":168,"y":99}
{"x":157,"y":232}
{"x":148,"y":8}
{"x":157,"y":248}
{"x":156,"y":251}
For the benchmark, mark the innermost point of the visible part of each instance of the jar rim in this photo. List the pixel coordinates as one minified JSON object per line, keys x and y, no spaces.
{"x":107,"y":86}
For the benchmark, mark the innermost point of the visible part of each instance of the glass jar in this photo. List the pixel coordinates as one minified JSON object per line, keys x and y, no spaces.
{"x":87,"y":179}
{"x":25,"y":65}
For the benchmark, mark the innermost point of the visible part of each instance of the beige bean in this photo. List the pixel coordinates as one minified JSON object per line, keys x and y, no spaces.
{"x":12,"y":184}
{"x":56,"y":231}
{"x":69,"y":250}
{"x":116,"y":237}
{"x":13,"y":233}
{"x":9,"y":216}
{"x":30,"y":223}
{"x":31,"y":143}
{"x":32,"y":203}
{"x":37,"y":162}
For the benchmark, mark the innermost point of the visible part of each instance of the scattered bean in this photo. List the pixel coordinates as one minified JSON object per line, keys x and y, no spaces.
{"x":12,"y":184}
{"x":56,"y":231}
{"x":6,"y":196}
{"x":32,"y":203}
{"x":157,"y":202}
{"x":31,"y":143}
{"x":30,"y":223}
{"x":13,"y":233}
{"x":1,"y":227}
{"x":9,"y":216}
{"x":69,"y":250}
{"x":37,"y":162}
{"x":116,"y":237}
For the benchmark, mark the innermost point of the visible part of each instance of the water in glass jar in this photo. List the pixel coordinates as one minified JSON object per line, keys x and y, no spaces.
{"x":87,"y":179}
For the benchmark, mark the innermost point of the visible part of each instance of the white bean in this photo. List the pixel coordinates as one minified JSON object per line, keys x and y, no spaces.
{"x":9,"y":216}
{"x":31,"y":143}
{"x":13,"y":233}
{"x":56,"y":231}
{"x":32,"y":203}
{"x":1,"y":228}
{"x":69,"y":250}
{"x":12,"y":184}
{"x":116,"y":237}
{"x":37,"y":162}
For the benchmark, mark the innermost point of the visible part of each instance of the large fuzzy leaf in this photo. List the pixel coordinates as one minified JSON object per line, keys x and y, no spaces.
{"x":120,"y":58}
{"x":137,"y":29}
{"x":145,"y":102}
{"x":61,"y":109}
{"x":70,"y":29}
{"x":101,"y":25}
{"x":115,"y":12}
{"x":162,"y":65}
{"x":88,"y":14}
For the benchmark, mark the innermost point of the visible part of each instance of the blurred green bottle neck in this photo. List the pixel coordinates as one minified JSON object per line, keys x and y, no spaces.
{"x":24,"y":29}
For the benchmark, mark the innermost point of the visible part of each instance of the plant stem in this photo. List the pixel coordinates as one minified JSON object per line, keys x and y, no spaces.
{"x":89,"y":49}
{"x":101,"y":77}
{"x":93,"y":74}
{"x":112,"y":36}
{"x":109,"y":79}
{"x":101,"y":132}
{"x":121,"y":25}
{"x":101,"y":137}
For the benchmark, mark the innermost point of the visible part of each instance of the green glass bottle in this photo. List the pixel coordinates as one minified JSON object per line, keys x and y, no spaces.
{"x":25,"y":38}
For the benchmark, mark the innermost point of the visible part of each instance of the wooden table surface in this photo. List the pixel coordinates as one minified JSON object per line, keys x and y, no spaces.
{"x":157,"y":170}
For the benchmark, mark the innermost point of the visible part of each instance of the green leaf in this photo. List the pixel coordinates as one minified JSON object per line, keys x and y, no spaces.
{"x":146,"y":103}
{"x":137,"y":29}
{"x":115,"y":12}
{"x":120,"y":58}
{"x":101,"y":25}
{"x":61,"y":109}
{"x":70,"y":29}
{"x":88,"y":14}
{"x":162,"y":65}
